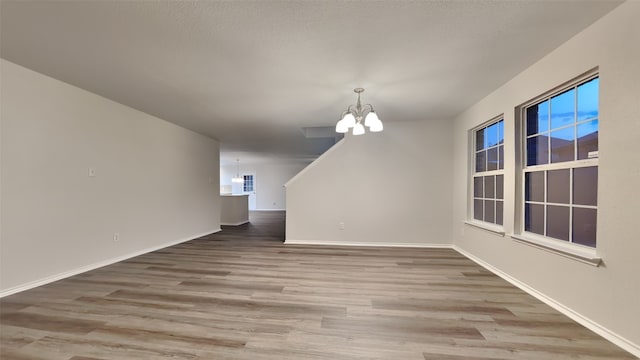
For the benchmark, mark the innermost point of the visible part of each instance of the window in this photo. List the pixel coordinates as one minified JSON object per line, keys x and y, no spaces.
{"x":488,"y":174}
{"x":560,"y":165}
{"x":248,"y":183}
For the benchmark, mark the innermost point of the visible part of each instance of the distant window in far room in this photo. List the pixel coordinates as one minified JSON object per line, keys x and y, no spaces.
{"x":248,"y":183}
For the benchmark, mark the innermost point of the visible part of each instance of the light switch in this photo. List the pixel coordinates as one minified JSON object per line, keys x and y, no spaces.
{"x":92,"y":172}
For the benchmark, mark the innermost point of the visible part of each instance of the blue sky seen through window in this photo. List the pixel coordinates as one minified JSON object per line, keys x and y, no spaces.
{"x":560,"y":111}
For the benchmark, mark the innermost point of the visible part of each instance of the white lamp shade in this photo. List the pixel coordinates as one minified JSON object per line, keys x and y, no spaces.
{"x":341,"y":127}
{"x":349,"y":120}
{"x":376,"y":126}
{"x":358,"y":129}
{"x":237,"y":179}
{"x":371,"y":118}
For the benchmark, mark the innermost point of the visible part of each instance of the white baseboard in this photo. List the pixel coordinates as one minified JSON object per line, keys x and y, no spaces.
{"x":268,"y":210}
{"x":99,"y":264}
{"x":577,"y":317}
{"x":368,"y":244}
{"x":235,"y":224}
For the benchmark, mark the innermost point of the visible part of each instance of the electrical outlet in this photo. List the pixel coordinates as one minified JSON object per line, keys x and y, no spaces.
{"x":341,"y":225}
{"x":116,"y":237}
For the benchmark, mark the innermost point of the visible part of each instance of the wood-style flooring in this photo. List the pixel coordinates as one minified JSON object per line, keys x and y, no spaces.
{"x":243,"y":294}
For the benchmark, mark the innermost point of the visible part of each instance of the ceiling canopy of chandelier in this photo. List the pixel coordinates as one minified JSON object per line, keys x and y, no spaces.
{"x":353,"y":116}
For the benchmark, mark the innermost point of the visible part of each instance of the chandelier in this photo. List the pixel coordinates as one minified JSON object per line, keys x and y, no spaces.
{"x":237,"y":178}
{"x":353,"y":116}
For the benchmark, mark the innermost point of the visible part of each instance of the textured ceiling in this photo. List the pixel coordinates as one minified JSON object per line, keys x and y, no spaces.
{"x":251,"y":74}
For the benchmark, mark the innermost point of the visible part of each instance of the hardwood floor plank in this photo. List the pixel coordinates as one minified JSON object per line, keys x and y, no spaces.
{"x":50,"y":323}
{"x":60,"y":346}
{"x":169,"y":336}
{"x":12,"y":354}
{"x":431,"y":356}
{"x":404,"y":327}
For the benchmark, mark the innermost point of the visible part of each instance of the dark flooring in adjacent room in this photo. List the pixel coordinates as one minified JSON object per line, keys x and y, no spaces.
{"x":242,"y":294}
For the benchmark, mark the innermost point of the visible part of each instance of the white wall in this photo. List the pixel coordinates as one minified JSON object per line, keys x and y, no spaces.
{"x":270,"y":178}
{"x":390,"y":188}
{"x":608,"y":295}
{"x":155,"y":183}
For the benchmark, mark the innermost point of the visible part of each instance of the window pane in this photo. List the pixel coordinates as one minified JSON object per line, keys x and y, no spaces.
{"x":587,"y":139}
{"x":499,"y":186}
{"x":538,"y":118}
{"x":480,"y":139}
{"x":501,"y":132}
{"x":481,"y":161}
{"x":563,"y":109}
{"x":489,"y":215}
{"x":558,"y":186}
{"x":534,"y":218}
{"x":585,"y":186}
{"x":562,"y":145}
{"x":537,"y":150}
{"x":248,"y":183}
{"x":584,"y":226}
{"x":534,"y":186}
{"x":499,"y":205}
{"x":588,"y":100}
{"x":501,"y":157}
{"x":492,"y":159}
{"x":477,"y":209}
{"x":491,"y":135}
{"x":489,"y":187}
{"x":478,"y":188}
{"x":558,"y":222}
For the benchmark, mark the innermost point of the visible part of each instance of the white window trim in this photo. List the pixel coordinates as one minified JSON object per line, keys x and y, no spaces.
{"x":494,"y":228}
{"x":471,"y":220}
{"x":585,"y":254}
{"x":570,"y":250}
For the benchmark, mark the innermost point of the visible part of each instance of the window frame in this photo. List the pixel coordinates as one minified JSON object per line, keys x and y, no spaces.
{"x":246,"y":181}
{"x":567,"y":248}
{"x":471,"y":219}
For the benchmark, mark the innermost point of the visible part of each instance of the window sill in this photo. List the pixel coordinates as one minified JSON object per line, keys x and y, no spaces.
{"x":496,"y":229}
{"x":574,"y":252}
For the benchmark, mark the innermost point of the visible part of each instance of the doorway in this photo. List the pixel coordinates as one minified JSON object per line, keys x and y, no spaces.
{"x":249,"y":188}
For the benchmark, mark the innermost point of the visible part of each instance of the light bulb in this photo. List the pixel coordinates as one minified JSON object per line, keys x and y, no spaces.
{"x":341,"y":127}
{"x":371,"y":118}
{"x":349,"y":120}
{"x":358,"y":129}
{"x":376,"y":126}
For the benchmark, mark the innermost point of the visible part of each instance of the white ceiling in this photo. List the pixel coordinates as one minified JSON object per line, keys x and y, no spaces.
{"x":253,"y":73}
